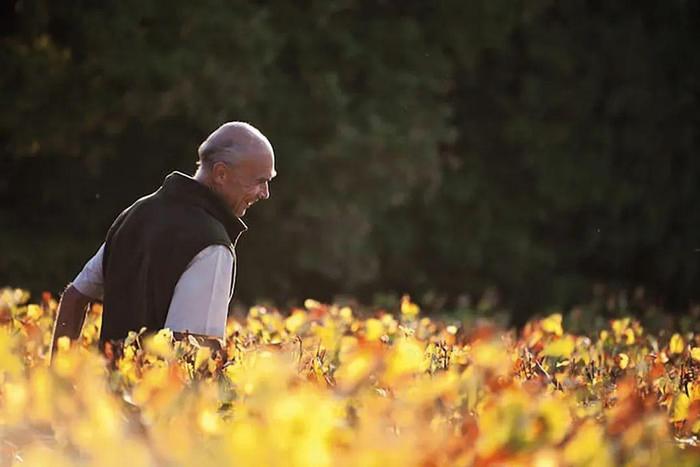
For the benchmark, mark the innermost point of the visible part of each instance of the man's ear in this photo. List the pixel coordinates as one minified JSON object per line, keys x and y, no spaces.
{"x":219,"y":173}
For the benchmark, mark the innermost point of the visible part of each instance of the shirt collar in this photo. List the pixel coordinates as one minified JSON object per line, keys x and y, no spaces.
{"x":182,"y":185}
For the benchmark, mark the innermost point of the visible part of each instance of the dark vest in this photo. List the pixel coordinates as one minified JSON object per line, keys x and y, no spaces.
{"x":149,"y":246}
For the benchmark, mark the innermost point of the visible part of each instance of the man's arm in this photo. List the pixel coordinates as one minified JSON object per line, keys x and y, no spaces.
{"x":70,"y":315}
{"x":87,"y":287}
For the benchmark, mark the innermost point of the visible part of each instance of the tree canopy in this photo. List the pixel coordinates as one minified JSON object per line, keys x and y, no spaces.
{"x":449,"y":146}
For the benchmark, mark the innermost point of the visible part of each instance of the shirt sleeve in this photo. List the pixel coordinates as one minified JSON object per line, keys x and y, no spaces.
{"x":90,"y":281}
{"x":200,"y":300}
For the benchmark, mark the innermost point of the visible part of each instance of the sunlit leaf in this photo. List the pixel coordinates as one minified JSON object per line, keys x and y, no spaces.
{"x":695,"y":353}
{"x":588,"y":447}
{"x":408,"y":308}
{"x":624,"y":360}
{"x":203,"y":354}
{"x":562,"y":347}
{"x":552,"y":324}
{"x":374,"y":329}
{"x":160,"y":344}
{"x":9,"y":360}
{"x":34,"y":312}
{"x":679,"y":409}
{"x":295,"y":320}
{"x":676,"y":345}
{"x":405,"y":357}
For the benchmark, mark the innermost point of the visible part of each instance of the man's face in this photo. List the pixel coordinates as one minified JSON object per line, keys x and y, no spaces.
{"x":246,"y":183}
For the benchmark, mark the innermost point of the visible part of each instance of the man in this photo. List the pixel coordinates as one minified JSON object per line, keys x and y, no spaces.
{"x":169,"y":259}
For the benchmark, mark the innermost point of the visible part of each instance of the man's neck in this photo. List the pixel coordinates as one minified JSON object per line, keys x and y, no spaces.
{"x":202,"y":177}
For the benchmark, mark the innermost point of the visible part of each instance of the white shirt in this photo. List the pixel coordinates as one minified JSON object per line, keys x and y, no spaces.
{"x":200,"y":300}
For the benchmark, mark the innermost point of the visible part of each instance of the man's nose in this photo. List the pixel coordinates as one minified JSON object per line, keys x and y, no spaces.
{"x":265,"y":191}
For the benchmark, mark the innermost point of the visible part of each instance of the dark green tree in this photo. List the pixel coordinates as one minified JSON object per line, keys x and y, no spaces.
{"x":449,"y":146}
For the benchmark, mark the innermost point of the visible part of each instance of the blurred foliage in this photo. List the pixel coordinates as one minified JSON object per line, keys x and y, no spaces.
{"x":333,"y":385}
{"x":421,"y":146}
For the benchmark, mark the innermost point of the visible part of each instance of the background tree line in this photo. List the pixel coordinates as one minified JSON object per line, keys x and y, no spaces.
{"x":537,"y":146}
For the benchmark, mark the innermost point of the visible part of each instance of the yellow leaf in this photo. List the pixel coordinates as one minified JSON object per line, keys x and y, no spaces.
{"x":408,"y":308}
{"x":546,"y":458}
{"x":407,"y":356}
{"x":624,"y":360}
{"x":552,"y":324}
{"x":160,"y":344}
{"x":619,"y":326}
{"x":329,"y":335}
{"x":374,"y":329}
{"x":696,"y":427}
{"x":38,"y":454}
{"x":693,"y":391}
{"x":588,"y":447}
{"x":502,"y":421}
{"x":9,"y":360}
{"x":16,"y":397}
{"x":695,"y":353}
{"x":346,"y":313}
{"x":63,"y":343}
{"x":209,"y":421}
{"x":491,"y":354}
{"x":679,"y":409}
{"x":295,"y":321}
{"x":354,"y":369}
{"x":562,"y":347}
{"x":311,"y":304}
{"x":42,"y":406}
{"x":203,"y":354}
{"x":558,"y":419}
{"x":390,"y":324}
{"x":676,"y":345}
{"x":34,"y":312}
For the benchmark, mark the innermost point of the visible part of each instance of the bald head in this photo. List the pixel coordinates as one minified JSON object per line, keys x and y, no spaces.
{"x":237,"y":162}
{"x":232,"y":142}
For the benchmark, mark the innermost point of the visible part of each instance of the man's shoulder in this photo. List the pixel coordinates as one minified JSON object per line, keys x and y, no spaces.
{"x":156,"y":204}
{"x":215,"y":254}
{"x":175,"y":215}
